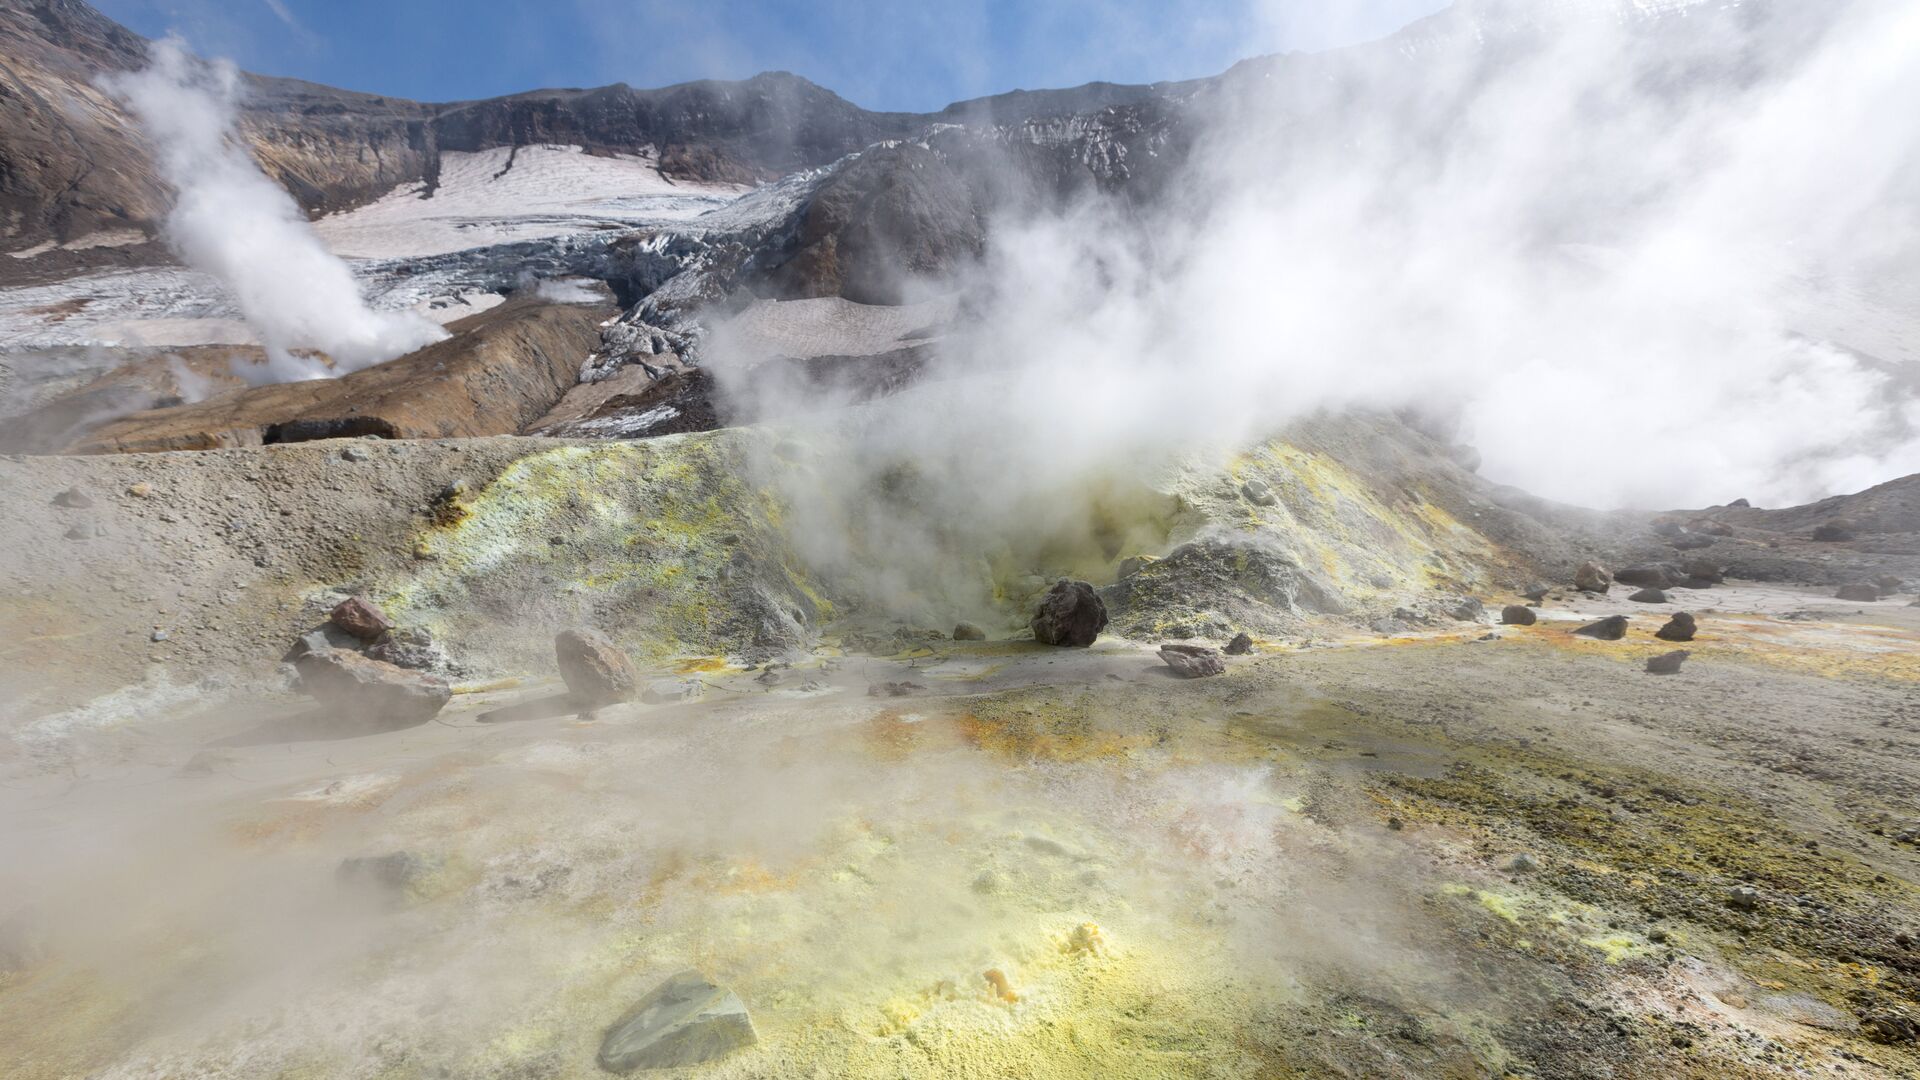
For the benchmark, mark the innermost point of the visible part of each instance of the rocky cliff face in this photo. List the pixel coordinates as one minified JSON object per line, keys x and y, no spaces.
{"x":72,"y":164}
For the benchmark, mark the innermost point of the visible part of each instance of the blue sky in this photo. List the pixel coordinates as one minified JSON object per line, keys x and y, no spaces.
{"x":905,"y":54}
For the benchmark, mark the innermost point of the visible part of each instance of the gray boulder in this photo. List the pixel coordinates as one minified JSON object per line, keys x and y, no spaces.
{"x":967,"y":631}
{"x":1888,"y":584}
{"x":1241,"y":645}
{"x":410,"y":648}
{"x":1258,"y":493}
{"x":1070,"y":614}
{"x":1192,"y":661}
{"x":595,"y":671}
{"x":1667,"y":663}
{"x":683,"y":1021}
{"x":1860,"y":591}
{"x":1518,"y":615}
{"x":671,"y":691}
{"x":1649,"y":596}
{"x":369,"y":693}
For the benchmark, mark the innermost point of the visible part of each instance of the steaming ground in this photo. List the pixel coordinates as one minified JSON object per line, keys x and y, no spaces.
{"x":1303,"y":867}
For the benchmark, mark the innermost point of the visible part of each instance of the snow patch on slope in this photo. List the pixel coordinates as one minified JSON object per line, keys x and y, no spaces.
{"x":524,"y":193}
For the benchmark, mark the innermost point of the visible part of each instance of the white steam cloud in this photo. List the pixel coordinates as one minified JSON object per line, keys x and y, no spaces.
{"x":230,"y":220}
{"x":1610,"y":247}
{"x":1637,"y":257}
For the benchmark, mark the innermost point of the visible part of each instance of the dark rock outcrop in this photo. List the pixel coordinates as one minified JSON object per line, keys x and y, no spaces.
{"x":1241,"y":645}
{"x":502,"y":370}
{"x":1838,"y":530}
{"x":1070,"y":614}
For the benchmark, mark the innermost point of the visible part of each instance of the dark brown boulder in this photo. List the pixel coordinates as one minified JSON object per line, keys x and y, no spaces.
{"x":1649,"y":596}
{"x":1679,"y":628}
{"x":1592,"y":577}
{"x":369,"y":693}
{"x":1667,"y":663}
{"x":1518,"y":615}
{"x":1070,"y":614}
{"x":360,"y":617}
{"x":1702,"y":573}
{"x":1241,"y":645}
{"x":595,"y":671}
{"x":1192,"y":661}
{"x":1645,"y":577}
{"x":967,"y":631}
{"x":1611,"y":628}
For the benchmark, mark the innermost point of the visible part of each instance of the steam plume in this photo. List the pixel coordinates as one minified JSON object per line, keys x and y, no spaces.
{"x":230,"y":220}
{"x":1607,"y":244}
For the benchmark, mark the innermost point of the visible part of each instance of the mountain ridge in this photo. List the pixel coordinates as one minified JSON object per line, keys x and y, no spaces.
{"x":73,"y":165}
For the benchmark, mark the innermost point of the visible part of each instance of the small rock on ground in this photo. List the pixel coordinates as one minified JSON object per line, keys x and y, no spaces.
{"x":1611,"y":628}
{"x":683,"y":1021}
{"x":967,"y":631}
{"x":360,"y":617}
{"x":1679,"y":628}
{"x":1667,"y":663}
{"x":1192,"y":661}
{"x":1241,"y":645}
